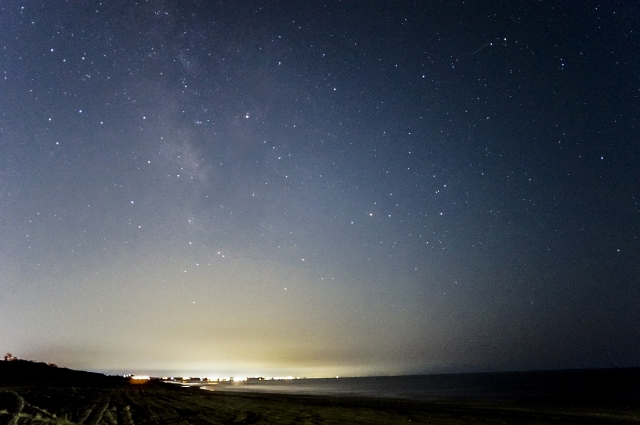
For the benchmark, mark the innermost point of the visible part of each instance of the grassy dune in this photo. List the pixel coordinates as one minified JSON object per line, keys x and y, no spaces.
{"x":157,"y":403}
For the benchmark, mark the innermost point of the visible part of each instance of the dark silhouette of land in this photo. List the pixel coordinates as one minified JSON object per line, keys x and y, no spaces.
{"x":28,"y":372}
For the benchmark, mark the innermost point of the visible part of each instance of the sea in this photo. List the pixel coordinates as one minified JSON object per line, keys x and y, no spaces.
{"x":622,"y":385}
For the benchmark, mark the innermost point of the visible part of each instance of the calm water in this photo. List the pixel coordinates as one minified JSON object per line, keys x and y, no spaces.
{"x":612,"y":384}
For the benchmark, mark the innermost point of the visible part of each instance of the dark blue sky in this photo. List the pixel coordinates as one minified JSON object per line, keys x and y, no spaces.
{"x":321,"y":188}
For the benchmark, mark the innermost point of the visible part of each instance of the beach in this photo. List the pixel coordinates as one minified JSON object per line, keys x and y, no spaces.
{"x":160,"y":403}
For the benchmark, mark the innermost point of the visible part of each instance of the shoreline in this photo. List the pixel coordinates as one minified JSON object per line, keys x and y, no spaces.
{"x":588,"y":387}
{"x":130,"y":404}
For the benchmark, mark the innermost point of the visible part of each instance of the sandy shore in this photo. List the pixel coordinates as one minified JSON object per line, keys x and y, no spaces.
{"x":157,"y":403}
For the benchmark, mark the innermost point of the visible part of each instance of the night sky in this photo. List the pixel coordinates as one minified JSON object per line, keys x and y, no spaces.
{"x":320,"y":188}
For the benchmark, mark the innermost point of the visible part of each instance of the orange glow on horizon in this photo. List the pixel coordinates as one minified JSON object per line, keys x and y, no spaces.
{"x":139,"y":379}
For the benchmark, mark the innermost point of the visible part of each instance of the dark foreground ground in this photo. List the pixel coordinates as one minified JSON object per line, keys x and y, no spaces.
{"x":120,"y":403}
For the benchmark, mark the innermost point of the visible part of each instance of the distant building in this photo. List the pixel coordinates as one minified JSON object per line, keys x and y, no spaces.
{"x":139,"y":379}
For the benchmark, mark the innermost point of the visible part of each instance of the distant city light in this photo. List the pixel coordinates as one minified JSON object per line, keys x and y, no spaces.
{"x":139,"y":379}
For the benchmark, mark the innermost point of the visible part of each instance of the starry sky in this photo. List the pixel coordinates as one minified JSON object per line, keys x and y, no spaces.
{"x":320,"y":188}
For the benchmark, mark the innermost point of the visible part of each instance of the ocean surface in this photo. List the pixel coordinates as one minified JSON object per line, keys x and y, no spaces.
{"x":601,"y":384}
